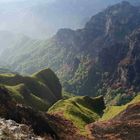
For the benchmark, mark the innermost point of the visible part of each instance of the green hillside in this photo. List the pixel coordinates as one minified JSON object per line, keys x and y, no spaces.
{"x":34,"y":91}
{"x":80,"y":110}
{"x":112,"y":111}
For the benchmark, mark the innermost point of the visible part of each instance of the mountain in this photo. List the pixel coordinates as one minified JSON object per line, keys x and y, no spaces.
{"x":7,"y":39}
{"x":39,"y":91}
{"x":99,"y":59}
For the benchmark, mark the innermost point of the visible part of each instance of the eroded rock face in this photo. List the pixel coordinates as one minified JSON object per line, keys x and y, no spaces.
{"x":125,"y":126}
{"x":107,"y":40}
{"x":129,"y":67}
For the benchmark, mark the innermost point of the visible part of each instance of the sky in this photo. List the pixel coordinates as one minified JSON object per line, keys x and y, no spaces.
{"x":6,"y":1}
{"x":42,"y":18}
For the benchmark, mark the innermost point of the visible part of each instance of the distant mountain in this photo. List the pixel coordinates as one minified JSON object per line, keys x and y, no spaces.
{"x":7,"y":39}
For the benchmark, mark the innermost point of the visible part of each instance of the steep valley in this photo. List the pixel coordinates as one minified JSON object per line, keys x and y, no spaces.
{"x":100,"y":59}
{"x":80,"y":84}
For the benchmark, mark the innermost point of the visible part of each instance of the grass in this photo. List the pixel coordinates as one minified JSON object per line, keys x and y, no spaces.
{"x":48,"y":77}
{"x":82,"y":110}
{"x":22,"y":95}
{"x":78,"y":110}
{"x":31,"y":90}
{"x":67,"y":95}
{"x":112,"y":111}
{"x":14,"y":92}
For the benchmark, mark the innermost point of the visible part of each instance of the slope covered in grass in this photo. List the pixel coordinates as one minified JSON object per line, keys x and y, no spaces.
{"x":34,"y":91}
{"x":80,"y":110}
{"x":111,"y":111}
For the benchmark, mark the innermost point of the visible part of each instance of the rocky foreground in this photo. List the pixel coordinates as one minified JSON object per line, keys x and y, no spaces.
{"x":10,"y":130}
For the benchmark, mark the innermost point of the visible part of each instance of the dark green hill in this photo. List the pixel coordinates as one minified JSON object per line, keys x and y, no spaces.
{"x":35,"y":91}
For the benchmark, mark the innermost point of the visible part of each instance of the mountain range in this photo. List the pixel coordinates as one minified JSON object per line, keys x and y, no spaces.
{"x":100,"y":59}
{"x":80,"y":84}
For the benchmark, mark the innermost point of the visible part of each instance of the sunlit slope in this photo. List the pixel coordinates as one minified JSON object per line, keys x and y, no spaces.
{"x":113,"y":111}
{"x":80,"y":110}
{"x":33,"y":91}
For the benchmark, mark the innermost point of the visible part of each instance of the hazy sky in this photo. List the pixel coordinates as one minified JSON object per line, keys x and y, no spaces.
{"x":42,"y":18}
{"x":5,"y":1}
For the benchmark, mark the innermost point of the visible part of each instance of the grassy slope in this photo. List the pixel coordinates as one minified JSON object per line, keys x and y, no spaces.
{"x":30,"y":90}
{"x":84,"y":110}
{"x":28,"y":99}
{"x":80,"y":110}
{"x":112,"y":111}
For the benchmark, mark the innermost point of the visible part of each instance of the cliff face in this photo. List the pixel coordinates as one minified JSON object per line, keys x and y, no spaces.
{"x":128,"y":69}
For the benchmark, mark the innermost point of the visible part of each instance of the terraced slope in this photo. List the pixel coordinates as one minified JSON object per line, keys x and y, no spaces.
{"x":38,"y":91}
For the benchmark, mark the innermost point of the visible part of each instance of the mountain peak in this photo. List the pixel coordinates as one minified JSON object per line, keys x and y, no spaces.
{"x":125,"y":3}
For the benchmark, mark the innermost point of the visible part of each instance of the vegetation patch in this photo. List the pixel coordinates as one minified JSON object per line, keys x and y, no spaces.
{"x":79,"y":110}
{"x":39,"y":91}
{"x":111,"y":111}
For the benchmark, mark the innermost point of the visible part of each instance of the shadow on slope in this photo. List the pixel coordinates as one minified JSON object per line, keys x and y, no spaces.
{"x":34,"y":91}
